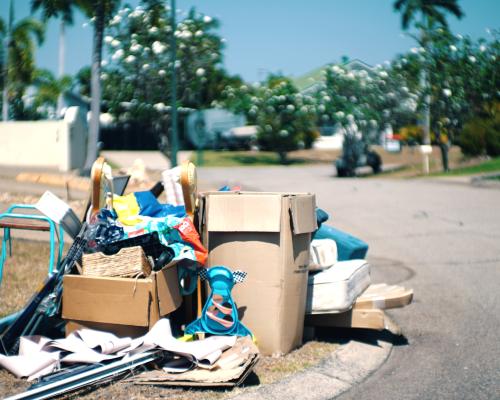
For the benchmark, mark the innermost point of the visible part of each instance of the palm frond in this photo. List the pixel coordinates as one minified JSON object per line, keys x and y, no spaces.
{"x":54,"y":9}
{"x":450,"y":6}
{"x":31,"y":26}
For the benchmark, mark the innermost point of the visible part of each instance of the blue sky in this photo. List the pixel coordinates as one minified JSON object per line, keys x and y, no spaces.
{"x":292,"y":36}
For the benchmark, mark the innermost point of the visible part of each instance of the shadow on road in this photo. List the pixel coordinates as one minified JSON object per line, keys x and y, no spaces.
{"x":368,"y":336}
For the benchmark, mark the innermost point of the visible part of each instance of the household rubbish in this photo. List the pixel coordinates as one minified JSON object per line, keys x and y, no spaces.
{"x":21,"y":216}
{"x":267,"y":235}
{"x":348,"y":247}
{"x":335,"y":289}
{"x":35,"y":316}
{"x":220,"y":315}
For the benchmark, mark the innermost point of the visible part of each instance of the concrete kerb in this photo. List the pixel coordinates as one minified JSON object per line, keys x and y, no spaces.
{"x":345,"y":367}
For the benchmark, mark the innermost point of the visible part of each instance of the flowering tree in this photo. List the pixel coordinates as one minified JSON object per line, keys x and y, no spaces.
{"x":137,"y":75}
{"x":463,"y":81}
{"x":372,"y":99}
{"x":286,"y":119}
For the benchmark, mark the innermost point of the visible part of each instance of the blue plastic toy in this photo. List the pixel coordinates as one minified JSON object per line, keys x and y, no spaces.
{"x":220,"y":315}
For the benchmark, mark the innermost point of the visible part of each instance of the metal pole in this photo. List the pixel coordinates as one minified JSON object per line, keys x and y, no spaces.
{"x":174,"y":138}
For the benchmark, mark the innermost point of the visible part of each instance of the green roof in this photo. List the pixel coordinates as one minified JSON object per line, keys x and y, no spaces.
{"x":315,"y":76}
{"x":304,"y":81}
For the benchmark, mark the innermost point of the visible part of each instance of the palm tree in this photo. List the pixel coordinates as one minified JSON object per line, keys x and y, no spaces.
{"x":62,"y":9}
{"x":431,"y":12}
{"x":49,"y":87}
{"x":100,"y":11}
{"x":18,"y":59}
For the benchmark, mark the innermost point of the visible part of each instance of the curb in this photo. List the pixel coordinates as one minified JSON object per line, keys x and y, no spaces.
{"x":349,"y":365}
{"x":58,"y":180}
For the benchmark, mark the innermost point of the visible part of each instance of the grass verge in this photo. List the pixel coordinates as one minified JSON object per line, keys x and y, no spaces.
{"x":489,"y":166}
{"x":211,"y":158}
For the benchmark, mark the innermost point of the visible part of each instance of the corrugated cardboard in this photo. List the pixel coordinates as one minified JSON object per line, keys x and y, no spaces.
{"x":268,"y":236}
{"x":118,"y":330}
{"x":231,"y":369}
{"x":123,"y":301}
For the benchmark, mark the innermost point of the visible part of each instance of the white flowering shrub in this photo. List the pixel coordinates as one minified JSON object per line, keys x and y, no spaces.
{"x":286,"y":119}
{"x":138,"y":70}
{"x":464,"y":80}
{"x":368,"y":99}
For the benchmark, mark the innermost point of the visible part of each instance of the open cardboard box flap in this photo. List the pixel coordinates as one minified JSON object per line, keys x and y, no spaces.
{"x":262,"y":212}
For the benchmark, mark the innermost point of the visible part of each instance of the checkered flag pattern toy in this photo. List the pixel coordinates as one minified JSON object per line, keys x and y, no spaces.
{"x":239,"y":276}
{"x":203,"y":274}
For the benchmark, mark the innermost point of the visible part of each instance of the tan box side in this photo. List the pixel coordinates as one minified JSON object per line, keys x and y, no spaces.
{"x":124,"y":301}
{"x":108,"y":300}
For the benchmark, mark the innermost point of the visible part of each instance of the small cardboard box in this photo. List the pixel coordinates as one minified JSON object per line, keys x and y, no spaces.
{"x":122,"y":301}
{"x":266,"y":235}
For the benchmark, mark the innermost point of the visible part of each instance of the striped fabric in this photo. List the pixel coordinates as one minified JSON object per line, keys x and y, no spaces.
{"x":172,"y":186}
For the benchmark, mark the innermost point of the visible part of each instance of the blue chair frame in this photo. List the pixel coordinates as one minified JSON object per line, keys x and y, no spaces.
{"x":7,"y":239}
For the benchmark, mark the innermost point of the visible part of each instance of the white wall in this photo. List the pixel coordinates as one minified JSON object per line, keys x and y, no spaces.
{"x":52,"y":144}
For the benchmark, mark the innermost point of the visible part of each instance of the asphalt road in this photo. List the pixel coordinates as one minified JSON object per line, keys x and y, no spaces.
{"x":440,"y":238}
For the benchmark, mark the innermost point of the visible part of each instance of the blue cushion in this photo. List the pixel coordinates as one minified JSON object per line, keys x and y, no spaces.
{"x":348,"y":246}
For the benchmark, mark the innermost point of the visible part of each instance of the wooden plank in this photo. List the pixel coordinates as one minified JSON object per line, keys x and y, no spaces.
{"x":25,"y":226}
{"x":367,"y":319}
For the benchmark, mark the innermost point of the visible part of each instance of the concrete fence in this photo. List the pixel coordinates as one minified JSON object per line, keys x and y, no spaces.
{"x":49,"y":144}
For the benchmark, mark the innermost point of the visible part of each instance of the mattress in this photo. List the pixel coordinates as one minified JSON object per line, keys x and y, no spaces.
{"x":336,"y":289}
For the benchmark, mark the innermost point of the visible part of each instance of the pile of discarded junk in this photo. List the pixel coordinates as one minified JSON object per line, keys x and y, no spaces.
{"x":185,"y":292}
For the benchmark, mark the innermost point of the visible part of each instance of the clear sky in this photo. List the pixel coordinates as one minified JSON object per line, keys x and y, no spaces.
{"x":292,"y":37}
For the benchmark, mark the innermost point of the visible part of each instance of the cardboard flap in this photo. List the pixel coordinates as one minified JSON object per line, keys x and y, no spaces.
{"x":383,"y":296}
{"x":303,"y":213}
{"x":249,"y":213}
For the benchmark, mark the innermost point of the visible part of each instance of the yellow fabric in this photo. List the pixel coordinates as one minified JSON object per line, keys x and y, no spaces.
{"x":127,"y":208}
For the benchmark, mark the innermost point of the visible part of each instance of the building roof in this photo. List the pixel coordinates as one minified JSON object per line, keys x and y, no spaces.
{"x":308,"y":81}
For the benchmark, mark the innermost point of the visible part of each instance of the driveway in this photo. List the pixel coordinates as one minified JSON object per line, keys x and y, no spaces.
{"x":440,"y":238}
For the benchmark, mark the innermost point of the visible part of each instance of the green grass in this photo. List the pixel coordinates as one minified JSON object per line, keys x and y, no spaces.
{"x":213,"y":158}
{"x":492,"y":165}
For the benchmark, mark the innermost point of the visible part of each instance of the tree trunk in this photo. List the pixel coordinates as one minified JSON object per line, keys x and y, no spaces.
{"x":5,"y":91}
{"x":283,"y":157}
{"x":444,"y":155}
{"x":424,"y":86}
{"x":61,"y":64}
{"x":174,"y":140}
{"x":426,"y":119}
{"x":95,"y":87}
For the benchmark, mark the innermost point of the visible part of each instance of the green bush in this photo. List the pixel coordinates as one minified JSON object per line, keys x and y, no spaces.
{"x":493,"y":136}
{"x":481,"y":136}
{"x":473,"y":137}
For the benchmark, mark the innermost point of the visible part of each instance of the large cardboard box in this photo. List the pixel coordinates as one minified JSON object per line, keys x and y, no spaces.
{"x":122,"y":301}
{"x":268,"y":236}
